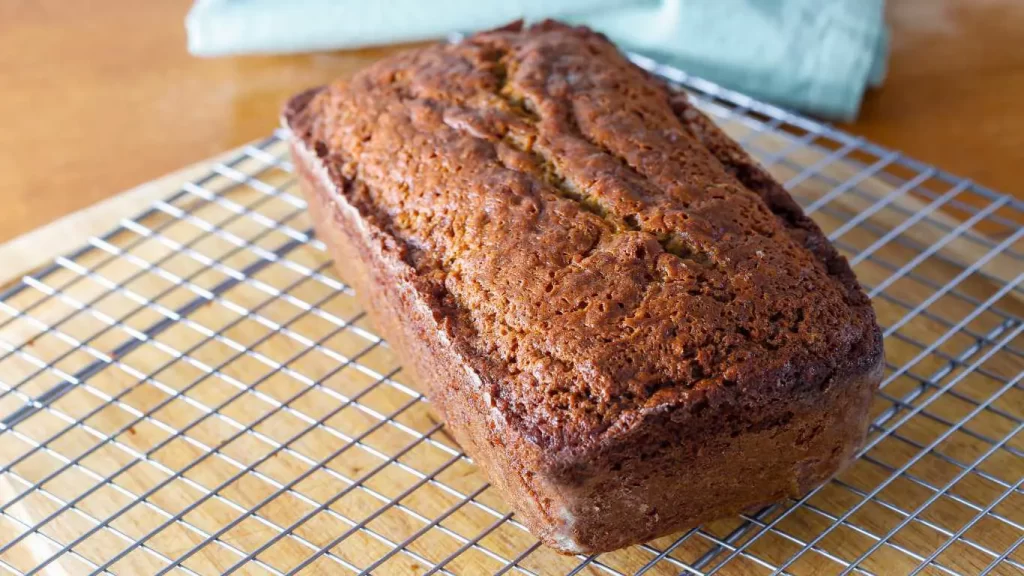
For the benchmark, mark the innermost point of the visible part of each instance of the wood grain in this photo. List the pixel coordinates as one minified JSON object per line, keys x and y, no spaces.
{"x":42,"y":245}
{"x":953,"y":90}
{"x":100,"y":95}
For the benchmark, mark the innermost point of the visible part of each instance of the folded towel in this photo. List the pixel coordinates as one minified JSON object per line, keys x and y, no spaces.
{"x":814,"y":55}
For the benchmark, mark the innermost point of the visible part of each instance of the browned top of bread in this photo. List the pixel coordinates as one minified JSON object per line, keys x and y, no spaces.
{"x":600,"y":250}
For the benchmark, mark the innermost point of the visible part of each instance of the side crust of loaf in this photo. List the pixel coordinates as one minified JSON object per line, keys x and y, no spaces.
{"x":681,"y":457}
{"x":385,"y":286}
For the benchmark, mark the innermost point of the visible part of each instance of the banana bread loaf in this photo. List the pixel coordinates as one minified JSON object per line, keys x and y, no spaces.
{"x":623,"y":319}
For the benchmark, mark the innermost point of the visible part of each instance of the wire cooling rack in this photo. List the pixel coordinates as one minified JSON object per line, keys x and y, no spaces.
{"x":196,"y":392}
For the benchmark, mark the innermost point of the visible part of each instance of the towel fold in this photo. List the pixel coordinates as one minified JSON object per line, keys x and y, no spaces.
{"x":814,"y":55}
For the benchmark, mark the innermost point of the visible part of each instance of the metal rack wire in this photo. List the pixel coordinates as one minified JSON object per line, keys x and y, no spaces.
{"x":196,"y":392}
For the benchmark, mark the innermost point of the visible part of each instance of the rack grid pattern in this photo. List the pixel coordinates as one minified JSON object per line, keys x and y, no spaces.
{"x":197,"y":392}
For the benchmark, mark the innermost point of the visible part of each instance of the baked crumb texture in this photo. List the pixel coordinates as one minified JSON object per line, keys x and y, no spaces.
{"x":625,"y":321}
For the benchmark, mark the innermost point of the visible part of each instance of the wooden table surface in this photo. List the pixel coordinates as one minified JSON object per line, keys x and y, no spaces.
{"x":99,"y":96}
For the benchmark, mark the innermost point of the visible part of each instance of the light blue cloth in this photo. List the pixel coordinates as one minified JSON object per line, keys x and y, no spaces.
{"x":814,"y":55}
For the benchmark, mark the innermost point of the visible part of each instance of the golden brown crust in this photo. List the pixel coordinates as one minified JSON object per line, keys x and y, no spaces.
{"x":606,"y":290}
